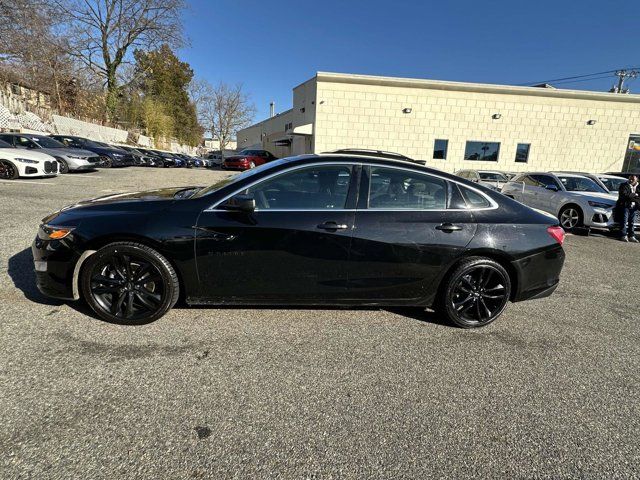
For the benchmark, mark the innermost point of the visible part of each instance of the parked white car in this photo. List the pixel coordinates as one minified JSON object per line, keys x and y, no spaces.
{"x":15,"y":163}
{"x":611,"y":182}
{"x":576,"y":200}
{"x":492,"y":179}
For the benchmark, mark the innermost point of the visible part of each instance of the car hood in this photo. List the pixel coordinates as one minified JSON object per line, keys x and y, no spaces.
{"x":121,"y":202}
{"x":74,"y":152}
{"x":595,"y":196}
{"x":11,"y":153}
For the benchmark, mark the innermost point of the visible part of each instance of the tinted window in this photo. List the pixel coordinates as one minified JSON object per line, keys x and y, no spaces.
{"x":522,"y":152}
{"x":440,"y":149}
{"x":313,"y":188}
{"x":4,"y":144}
{"x":474,"y":199}
{"x":482,"y":151}
{"x":580,"y":184}
{"x":545,"y":181}
{"x":391,"y":188}
{"x":24,"y":142}
{"x":45,"y":142}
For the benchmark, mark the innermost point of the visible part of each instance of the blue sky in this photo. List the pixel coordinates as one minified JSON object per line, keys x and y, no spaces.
{"x":271,"y":46}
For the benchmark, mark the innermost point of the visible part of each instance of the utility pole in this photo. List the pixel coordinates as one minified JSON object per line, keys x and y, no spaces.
{"x":622,"y":76}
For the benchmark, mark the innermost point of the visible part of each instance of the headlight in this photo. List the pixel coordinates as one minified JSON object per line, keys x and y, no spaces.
{"x":117,"y":155}
{"x":600,"y":204}
{"x":77,"y":157}
{"x":25,"y":160}
{"x":55,"y":233}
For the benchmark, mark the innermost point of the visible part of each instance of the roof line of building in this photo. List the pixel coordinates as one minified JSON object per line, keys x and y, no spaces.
{"x":271,"y":118}
{"x":474,"y":87}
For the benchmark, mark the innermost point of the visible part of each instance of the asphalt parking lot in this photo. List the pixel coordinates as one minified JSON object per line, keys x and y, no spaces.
{"x":548,"y":391}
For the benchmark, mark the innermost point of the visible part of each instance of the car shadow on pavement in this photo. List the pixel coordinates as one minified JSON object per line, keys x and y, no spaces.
{"x":21,"y":272}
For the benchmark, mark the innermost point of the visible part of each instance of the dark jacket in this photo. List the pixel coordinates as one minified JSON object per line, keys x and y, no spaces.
{"x":626,"y":196}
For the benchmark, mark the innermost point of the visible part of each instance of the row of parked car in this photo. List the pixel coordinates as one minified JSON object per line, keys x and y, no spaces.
{"x":32,"y":155}
{"x":579,"y":200}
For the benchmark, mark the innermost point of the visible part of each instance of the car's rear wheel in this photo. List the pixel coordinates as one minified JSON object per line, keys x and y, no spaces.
{"x":475,"y":293}
{"x":129,"y":283}
{"x":571,"y":217}
{"x":8,"y":171}
{"x":63,"y":166}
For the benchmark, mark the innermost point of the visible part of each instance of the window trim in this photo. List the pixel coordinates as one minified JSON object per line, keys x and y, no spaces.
{"x":359,"y":179}
{"x":464,"y":155}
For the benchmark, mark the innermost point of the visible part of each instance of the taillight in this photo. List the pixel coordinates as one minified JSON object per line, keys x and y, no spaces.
{"x":557,"y":233}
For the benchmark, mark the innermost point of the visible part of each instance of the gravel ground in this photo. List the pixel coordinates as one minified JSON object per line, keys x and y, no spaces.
{"x":548,"y":391}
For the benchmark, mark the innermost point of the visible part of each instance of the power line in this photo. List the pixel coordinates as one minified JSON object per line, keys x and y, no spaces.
{"x":573,"y":77}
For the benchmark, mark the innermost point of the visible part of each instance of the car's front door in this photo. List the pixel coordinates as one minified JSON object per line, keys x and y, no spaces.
{"x":409,"y":225}
{"x":293,"y":248}
{"x":546,"y":193}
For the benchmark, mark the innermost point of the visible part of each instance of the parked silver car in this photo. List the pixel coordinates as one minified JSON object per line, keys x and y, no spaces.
{"x":576,"y":200}
{"x":492,"y":179}
{"x":69,"y":159}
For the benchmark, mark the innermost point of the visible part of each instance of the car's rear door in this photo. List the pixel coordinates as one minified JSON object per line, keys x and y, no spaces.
{"x":293,"y":248}
{"x":409,"y":225}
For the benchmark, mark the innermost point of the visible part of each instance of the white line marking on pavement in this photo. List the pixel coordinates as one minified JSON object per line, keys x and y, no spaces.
{"x":26,"y":181}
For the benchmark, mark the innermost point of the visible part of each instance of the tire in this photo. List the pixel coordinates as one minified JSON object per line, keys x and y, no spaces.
{"x":63,"y":166}
{"x":475,"y":293}
{"x":8,"y":171}
{"x":129,"y":283}
{"x":571,"y":217}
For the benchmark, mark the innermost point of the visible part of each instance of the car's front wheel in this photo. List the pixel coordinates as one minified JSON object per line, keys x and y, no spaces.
{"x":129,"y":283}
{"x":475,"y":293}
{"x":8,"y":170}
{"x":63,"y":166}
{"x":571,"y":217}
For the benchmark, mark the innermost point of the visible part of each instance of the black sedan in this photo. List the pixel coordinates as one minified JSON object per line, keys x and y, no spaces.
{"x":309,"y":230}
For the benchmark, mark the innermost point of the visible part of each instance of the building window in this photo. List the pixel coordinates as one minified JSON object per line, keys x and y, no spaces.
{"x":482,"y":151}
{"x":522,"y":152}
{"x":440,"y":149}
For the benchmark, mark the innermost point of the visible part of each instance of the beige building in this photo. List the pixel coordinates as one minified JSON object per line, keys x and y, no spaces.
{"x":455,"y":125}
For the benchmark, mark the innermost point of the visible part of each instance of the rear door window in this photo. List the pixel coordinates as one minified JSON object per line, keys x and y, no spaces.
{"x":396,"y":189}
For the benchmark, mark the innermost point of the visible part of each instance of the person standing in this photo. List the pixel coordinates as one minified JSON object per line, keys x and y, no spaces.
{"x":629,"y":204}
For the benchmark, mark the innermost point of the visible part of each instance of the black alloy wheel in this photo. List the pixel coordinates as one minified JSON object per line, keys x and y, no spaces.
{"x":8,"y":170}
{"x":63,"y":166}
{"x":129,"y":283}
{"x":476,"y":293}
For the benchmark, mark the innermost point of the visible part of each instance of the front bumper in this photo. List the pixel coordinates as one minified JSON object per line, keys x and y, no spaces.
{"x":54,"y":262}
{"x":538,"y":275}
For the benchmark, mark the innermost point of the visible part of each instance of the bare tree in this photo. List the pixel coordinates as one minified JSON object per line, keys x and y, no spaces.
{"x":223,"y":110}
{"x":102,"y":34}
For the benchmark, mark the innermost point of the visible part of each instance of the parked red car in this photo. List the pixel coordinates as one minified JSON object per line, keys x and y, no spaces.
{"x":247,"y":159}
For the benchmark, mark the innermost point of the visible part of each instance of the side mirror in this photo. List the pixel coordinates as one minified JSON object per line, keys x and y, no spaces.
{"x":240,"y":203}
{"x":553,"y":188}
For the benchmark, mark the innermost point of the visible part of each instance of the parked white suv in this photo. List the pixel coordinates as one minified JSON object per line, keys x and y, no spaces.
{"x":576,"y":200}
{"x":15,"y":163}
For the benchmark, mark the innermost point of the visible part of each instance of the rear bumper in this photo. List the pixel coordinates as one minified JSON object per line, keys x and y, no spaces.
{"x":538,"y":275}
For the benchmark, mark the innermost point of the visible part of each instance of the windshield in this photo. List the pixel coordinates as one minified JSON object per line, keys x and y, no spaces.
{"x":613,"y":184}
{"x":492,"y":177}
{"x":4,"y":144}
{"x":94,"y":144}
{"x":235,"y":178}
{"x":580,"y":184}
{"x":46,"y":142}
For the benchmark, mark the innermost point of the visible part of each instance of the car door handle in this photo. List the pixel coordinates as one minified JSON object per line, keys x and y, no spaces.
{"x":332,"y":226}
{"x":449,"y":227}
